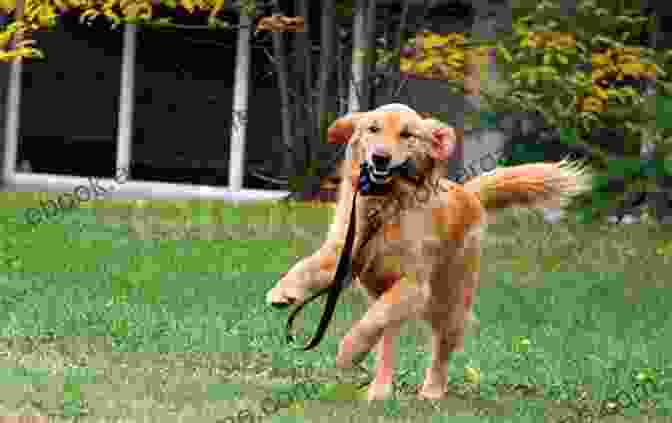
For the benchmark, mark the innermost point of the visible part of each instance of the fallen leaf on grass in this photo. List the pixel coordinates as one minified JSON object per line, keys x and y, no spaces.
{"x":472,"y":375}
{"x":342,"y":392}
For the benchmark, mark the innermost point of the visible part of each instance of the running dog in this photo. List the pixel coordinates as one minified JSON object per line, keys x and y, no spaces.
{"x":424,"y":261}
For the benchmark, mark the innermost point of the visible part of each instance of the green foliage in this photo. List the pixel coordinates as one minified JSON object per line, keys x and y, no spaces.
{"x":546,"y":58}
{"x":22,"y":49}
{"x":43,"y":14}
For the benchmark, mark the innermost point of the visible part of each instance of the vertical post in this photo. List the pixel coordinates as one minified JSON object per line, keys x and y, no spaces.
{"x":126,"y":100}
{"x":13,"y":105}
{"x":240,"y":98}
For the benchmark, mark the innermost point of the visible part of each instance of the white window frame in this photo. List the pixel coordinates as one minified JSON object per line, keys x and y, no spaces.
{"x":18,"y":181}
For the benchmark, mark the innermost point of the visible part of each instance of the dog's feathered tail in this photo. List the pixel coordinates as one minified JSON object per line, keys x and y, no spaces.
{"x":531,"y":185}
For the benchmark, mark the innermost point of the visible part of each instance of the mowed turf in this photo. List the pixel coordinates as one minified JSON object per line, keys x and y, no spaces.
{"x":155,"y":311}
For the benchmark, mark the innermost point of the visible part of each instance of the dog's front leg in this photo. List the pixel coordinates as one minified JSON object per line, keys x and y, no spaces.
{"x":381,"y":386}
{"x":308,"y":275}
{"x":380,"y":325}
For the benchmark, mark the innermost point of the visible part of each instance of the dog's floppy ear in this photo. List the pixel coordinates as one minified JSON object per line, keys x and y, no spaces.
{"x":342,"y":129}
{"x":443,"y":139}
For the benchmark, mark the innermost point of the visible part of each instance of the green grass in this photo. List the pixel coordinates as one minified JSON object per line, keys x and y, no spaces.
{"x":122,"y":310}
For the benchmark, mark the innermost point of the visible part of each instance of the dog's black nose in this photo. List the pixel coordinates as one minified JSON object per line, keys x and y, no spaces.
{"x":280,"y":305}
{"x":381,"y":161}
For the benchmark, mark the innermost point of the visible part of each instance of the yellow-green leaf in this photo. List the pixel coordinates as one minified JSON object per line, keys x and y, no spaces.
{"x":218,"y":5}
{"x":342,"y":392}
{"x":547,"y":58}
{"x":189,"y":5}
{"x":561,"y":58}
{"x":472,"y":375}
{"x":505,"y":54}
{"x":532,"y":79}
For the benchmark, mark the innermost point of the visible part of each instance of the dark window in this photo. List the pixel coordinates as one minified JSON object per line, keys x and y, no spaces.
{"x":69,"y":114}
{"x":183,"y":103}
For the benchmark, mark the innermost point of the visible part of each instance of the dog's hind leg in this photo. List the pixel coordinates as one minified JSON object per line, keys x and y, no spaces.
{"x":451,"y":311}
{"x":447,"y":335}
{"x":472,"y":279}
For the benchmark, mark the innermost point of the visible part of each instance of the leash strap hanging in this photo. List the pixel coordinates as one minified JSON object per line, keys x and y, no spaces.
{"x":343,"y":272}
{"x":344,"y":276}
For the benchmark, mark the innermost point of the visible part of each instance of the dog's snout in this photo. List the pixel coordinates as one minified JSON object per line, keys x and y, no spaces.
{"x":380,"y":157}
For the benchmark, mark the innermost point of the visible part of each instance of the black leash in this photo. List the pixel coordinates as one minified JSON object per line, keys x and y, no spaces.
{"x":344,"y":276}
{"x":343,"y":271}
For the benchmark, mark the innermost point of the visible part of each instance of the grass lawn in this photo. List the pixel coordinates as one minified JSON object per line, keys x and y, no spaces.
{"x":155,"y":312}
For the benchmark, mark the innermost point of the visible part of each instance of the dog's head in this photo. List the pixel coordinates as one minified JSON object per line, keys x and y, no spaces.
{"x":388,"y":139}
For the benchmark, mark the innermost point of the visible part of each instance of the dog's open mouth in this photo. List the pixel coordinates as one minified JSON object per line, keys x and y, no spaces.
{"x":379,"y":176}
{"x":375,"y":175}
{"x":380,"y":169}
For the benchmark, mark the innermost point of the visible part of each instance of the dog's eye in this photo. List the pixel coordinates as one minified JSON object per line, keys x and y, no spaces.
{"x":373,"y":129}
{"x":405,"y":134}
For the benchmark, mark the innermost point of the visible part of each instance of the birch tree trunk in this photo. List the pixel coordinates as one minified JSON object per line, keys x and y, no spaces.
{"x":240,"y":100}
{"x":359,"y":50}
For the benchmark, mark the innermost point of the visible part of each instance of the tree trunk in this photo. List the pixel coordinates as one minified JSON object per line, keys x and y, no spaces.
{"x":342,"y":77}
{"x":240,"y":101}
{"x":371,"y":55}
{"x":328,"y":47}
{"x":659,"y":201}
{"x":396,"y":47}
{"x":280,"y":53}
{"x":359,"y":51}
{"x":304,"y":126}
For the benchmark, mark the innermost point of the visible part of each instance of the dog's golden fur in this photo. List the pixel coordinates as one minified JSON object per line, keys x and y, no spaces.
{"x":424,"y":262}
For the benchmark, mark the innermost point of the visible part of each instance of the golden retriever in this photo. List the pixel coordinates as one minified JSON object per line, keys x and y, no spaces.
{"x":424,"y":262}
